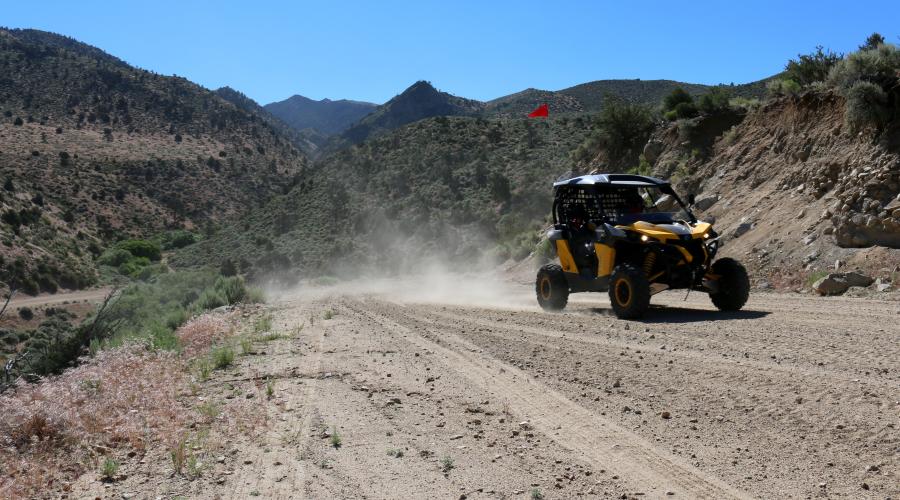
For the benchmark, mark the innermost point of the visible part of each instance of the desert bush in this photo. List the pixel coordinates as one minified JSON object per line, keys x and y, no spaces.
{"x":714,"y":101}
{"x":872,"y":42}
{"x":868,"y":79}
{"x":878,"y":65}
{"x":621,"y":129}
{"x":26,"y":313}
{"x":676,"y":97}
{"x":210,"y":299}
{"x":231,"y":288}
{"x":178,"y":239}
{"x":222,"y":356}
{"x":114,"y":257}
{"x":685,"y":110}
{"x":867,"y":104}
{"x":782,"y":87}
{"x":141,"y":248}
{"x":151,"y":271}
{"x":813,"y":67}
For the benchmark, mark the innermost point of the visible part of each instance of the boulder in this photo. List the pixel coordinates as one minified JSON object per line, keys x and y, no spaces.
{"x":704,"y":202}
{"x":838,"y":283}
{"x":665,"y":203}
{"x":652,"y":150}
{"x":742,"y":228}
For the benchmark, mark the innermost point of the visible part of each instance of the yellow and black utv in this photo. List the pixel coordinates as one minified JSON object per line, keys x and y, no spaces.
{"x":633,"y":236}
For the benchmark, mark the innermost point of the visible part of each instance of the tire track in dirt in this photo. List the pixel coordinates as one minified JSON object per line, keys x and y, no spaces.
{"x":512,"y":329}
{"x":276,"y":470}
{"x":597,"y":439}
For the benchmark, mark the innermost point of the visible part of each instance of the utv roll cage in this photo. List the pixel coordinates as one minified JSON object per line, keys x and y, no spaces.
{"x":605,"y":196}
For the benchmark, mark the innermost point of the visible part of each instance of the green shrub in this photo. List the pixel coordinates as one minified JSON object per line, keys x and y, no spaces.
{"x":809,"y":68}
{"x":162,"y":337}
{"x":878,"y":66}
{"x":26,"y":313}
{"x":222,"y":357}
{"x":109,"y":469}
{"x":782,"y":87}
{"x":232,"y":288}
{"x":141,"y":248}
{"x":621,"y":129}
{"x":151,"y":271}
{"x":178,"y":239}
{"x":867,"y":104}
{"x":868,"y":79}
{"x":716,"y":100}
{"x":210,"y":299}
{"x":676,"y":97}
{"x":133,"y":267}
{"x":114,"y":257}
{"x":872,"y":42}
{"x":685,"y":110}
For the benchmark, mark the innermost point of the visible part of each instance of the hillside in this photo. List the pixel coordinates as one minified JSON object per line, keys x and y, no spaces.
{"x":588,"y":97}
{"x":794,"y":189}
{"x":93,"y":150}
{"x":458,"y":189}
{"x":306,"y":140}
{"x":326,"y":116}
{"x":421,"y":100}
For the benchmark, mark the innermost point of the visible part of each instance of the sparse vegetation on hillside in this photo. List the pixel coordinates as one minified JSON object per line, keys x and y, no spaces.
{"x":452,"y":187}
{"x":620,"y":131}
{"x":148,"y":312}
{"x":95,"y":150}
{"x":867,"y":79}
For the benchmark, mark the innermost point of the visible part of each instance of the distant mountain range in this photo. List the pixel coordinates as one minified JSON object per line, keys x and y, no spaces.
{"x":353,"y":122}
{"x":326,"y":116}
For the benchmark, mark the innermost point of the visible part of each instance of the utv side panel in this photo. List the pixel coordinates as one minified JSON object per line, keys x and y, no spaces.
{"x":606,"y":259}
{"x":566,"y":260}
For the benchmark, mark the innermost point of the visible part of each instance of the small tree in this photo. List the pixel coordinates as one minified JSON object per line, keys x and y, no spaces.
{"x":814,"y":67}
{"x":716,"y":100}
{"x":678,"y":96}
{"x":872,"y":42}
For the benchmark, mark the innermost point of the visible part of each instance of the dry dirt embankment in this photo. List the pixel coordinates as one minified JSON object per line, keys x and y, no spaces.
{"x":412,"y":395}
{"x":793,"y":189}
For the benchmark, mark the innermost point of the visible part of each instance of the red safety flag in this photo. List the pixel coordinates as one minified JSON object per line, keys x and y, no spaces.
{"x":542,"y":111}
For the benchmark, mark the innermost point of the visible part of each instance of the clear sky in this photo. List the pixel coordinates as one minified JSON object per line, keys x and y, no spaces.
{"x":372,"y":50}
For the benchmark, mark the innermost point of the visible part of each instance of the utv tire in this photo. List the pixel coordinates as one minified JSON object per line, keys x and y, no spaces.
{"x":629,"y":291}
{"x":552,"y":288}
{"x":734,"y":285}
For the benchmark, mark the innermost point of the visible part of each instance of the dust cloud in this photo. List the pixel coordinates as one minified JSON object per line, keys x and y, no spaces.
{"x":430,"y":283}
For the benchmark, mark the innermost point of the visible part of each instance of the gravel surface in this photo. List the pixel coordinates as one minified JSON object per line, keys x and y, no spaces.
{"x":435,"y":396}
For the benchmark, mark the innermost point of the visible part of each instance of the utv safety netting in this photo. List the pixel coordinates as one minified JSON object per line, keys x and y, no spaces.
{"x":598,"y":203}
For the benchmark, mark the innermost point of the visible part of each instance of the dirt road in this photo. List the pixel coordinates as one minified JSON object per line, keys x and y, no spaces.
{"x":93,"y":295}
{"x":795,"y":397}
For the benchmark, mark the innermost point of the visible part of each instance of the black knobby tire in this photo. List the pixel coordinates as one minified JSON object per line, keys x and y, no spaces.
{"x":552,"y":288}
{"x":629,"y":291}
{"x":734,"y":285}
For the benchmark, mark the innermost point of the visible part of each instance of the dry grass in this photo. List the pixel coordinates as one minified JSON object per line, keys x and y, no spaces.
{"x":122,"y":399}
{"x":199,"y":334}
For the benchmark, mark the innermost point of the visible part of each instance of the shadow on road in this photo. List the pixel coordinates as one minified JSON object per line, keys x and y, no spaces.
{"x":669,"y":314}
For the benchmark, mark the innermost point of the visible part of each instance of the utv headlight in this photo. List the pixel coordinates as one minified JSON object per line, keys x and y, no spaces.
{"x":705,"y":236}
{"x":645,"y":238}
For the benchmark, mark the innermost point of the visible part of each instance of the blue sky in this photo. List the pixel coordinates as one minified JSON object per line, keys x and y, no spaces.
{"x":372,"y":50}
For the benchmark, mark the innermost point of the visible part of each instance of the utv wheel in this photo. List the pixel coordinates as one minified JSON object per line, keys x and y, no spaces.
{"x":734,"y":285}
{"x":629,"y":291}
{"x":552,"y":288}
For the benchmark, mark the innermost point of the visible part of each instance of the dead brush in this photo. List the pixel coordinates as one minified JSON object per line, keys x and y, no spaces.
{"x":123,"y":397}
